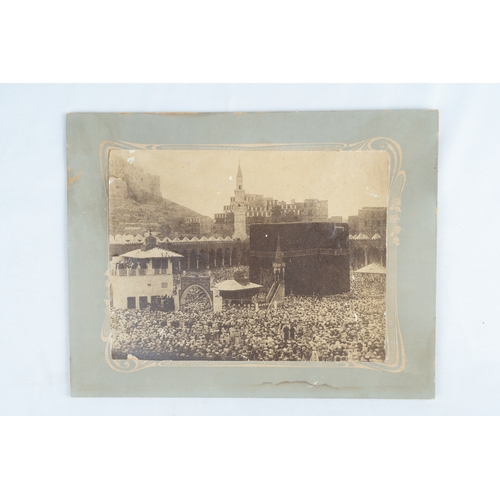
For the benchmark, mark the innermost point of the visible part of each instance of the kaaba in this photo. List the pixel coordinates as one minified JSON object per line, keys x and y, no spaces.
{"x":315,"y":254}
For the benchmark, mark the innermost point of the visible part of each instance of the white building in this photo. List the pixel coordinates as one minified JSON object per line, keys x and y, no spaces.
{"x":142,"y":277}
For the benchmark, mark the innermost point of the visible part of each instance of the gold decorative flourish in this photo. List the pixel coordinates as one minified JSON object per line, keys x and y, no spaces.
{"x":73,"y":179}
{"x":395,"y":360}
{"x":395,"y":229}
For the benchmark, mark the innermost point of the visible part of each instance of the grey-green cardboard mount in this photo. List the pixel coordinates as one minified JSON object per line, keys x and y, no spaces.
{"x":410,"y":138}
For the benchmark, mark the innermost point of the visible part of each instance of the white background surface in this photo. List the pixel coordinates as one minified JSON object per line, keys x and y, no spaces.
{"x":271,"y":41}
{"x":34,"y":373}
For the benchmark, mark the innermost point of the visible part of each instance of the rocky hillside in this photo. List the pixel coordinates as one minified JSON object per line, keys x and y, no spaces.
{"x":136,"y":205}
{"x":141,"y":186}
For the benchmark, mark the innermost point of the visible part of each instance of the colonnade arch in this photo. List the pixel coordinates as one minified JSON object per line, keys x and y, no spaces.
{"x":368,"y":252}
{"x":373,"y":256}
{"x":198,"y":254}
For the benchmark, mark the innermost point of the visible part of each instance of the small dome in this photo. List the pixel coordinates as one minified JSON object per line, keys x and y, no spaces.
{"x":149,"y":242}
{"x":241,"y":277}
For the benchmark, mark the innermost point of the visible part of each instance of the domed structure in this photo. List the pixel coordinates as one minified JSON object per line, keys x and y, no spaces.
{"x":149,"y":242}
{"x":241,"y":277}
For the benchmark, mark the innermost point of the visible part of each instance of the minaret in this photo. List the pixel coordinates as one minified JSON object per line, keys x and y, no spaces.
{"x":239,"y":178}
{"x":240,"y":208}
{"x":279,"y":264}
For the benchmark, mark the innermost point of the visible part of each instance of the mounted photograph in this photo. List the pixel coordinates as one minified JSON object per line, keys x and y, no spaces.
{"x":276,"y":254}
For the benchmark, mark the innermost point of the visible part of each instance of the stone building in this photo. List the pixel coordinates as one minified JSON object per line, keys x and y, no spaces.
{"x":307,"y":258}
{"x":369,"y":221}
{"x":246,"y":209}
{"x":192,"y":226}
{"x":142,"y":277}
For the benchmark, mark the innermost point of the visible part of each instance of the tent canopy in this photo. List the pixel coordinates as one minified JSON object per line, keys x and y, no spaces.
{"x":372,"y":269}
{"x":233,"y":286}
{"x":153,"y":253}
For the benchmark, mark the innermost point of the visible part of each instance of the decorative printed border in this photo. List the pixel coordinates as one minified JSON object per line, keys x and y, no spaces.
{"x":395,"y":360}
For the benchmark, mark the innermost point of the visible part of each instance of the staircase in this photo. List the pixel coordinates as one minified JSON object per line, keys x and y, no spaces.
{"x":272,"y":291}
{"x":278,"y":293}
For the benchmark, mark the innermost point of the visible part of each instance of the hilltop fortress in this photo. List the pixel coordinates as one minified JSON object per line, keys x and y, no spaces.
{"x":128,"y":181}
{"x":137,"y":205}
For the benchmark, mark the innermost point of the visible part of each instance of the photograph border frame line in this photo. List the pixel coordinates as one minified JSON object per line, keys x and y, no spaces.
{"x":395,"y":360}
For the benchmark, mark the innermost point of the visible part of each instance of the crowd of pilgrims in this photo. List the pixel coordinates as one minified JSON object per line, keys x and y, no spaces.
{"x":339,"y":328}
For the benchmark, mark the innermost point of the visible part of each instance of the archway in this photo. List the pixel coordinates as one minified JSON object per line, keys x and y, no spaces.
{"x":196,"y":298}
{"x":193,"y":264}
{"x":234,"y":257}
{"x":211,"y":258}
{"x":202,"y":259}
{"x":219,"y":258}
{"x":358,"y":258}
{"x":244,"y":257}
{"x":227,"y":257}
{"x":185,"y":260}
{"x":373,"y":256}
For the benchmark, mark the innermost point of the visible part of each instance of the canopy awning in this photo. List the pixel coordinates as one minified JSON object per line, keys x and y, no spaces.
{"x":372,"y":268}
{"x":153,"y":253}
{"x":234,"y":286}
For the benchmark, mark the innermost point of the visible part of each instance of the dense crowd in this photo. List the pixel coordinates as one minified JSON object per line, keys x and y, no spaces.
{"x":346,"y":327}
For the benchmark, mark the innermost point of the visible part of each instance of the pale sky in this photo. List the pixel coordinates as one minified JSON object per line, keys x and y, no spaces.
{"x":204,"y":181}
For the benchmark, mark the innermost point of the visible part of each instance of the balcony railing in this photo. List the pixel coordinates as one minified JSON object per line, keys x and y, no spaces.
{"x":139,"y":272}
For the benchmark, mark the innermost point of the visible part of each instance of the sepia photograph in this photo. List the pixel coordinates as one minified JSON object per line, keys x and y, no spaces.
{"x":248,"y":255}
